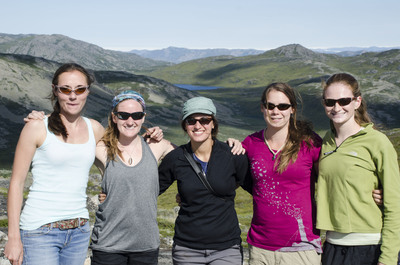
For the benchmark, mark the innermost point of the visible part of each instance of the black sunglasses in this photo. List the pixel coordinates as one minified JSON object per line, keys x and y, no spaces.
{"x":203,"y":121}
{"x":342,"y":101}
{"x":126,"y":115}
{"x":281,"y":106}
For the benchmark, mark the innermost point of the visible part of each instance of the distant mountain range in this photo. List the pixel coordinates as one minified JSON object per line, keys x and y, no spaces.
{"x":27,"y":63}
{"x":353,"y":51}
{"x":62,"y":49}
{"x":179,"y":55}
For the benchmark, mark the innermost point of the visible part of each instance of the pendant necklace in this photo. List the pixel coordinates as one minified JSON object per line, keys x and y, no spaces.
{"x":130,"y":160}
{"x":274,"y":154}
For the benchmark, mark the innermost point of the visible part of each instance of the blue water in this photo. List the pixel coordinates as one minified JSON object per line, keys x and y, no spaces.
{"x":192,"y":87}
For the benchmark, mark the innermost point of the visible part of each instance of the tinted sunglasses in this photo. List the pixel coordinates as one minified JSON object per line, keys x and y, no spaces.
{"x":203,"y":121}
{"x":282,"y":106}
{"x":125,"y":115}
{"x":342,"y":101}
{"x":78,"y":91}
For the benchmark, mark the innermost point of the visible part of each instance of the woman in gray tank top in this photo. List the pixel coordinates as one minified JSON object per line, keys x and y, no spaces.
{"x":126,"y":230}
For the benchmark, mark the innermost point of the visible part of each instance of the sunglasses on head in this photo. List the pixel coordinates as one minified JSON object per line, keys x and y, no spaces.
{"x":125,"y":115}
{"x":78,"y":91}
{"x":203,"y":121}
{"x":281,"y":106}
{"x":342,"y":101}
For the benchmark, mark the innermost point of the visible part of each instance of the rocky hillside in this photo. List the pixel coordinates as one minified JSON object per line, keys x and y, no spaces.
{"x":25,"y":85}
{"x":378,"y":73}
{"x":64,"y":49}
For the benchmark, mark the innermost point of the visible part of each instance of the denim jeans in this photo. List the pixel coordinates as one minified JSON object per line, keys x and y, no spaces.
{"x":52,"y":246}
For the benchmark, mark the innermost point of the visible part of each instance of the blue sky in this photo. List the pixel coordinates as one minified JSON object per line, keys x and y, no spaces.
{"x":259,"y":24}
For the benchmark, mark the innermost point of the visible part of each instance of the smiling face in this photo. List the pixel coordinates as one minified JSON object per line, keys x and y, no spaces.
{"x":341,"y":115}
{"x":72,"y":104}
{"x":275,"y":118}
{"x":200,"y":131}
{"x":128,"y":128}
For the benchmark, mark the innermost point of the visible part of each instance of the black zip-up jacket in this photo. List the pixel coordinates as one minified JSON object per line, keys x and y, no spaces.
{"x":205,"y":221}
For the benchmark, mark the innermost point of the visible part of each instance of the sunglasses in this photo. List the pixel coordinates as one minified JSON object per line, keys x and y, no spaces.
{"x":125,"y":115}
{"x":342,"y":101}
{"x":78,"y":91}
{"x":203,"y":121}
{"x":282,"y":106}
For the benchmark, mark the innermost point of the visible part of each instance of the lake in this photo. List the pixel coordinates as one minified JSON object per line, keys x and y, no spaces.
{"x":193,"y":87}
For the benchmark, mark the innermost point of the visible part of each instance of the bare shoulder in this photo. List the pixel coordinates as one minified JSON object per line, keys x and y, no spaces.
{"x":34,"y":130}
{"x":161,"y":148}
{"x":98,"y":129}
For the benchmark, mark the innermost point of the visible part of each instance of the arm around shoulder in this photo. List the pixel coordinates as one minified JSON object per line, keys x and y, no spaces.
{"x":161,"y":149}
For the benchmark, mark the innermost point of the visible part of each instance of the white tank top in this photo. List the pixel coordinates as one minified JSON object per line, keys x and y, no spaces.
{"x":60,"y":174}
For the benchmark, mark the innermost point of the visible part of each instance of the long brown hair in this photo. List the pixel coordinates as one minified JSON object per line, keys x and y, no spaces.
{"x":55,"y":123}
{"x":299,"y":130}
{"x":361,"y":115}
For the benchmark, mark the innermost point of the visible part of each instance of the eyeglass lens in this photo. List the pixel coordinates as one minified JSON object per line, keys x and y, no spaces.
{"x":77,"y":91}
{"x":342,"y":101}
{"x":126,"y":115}
{"x":203,"y":121}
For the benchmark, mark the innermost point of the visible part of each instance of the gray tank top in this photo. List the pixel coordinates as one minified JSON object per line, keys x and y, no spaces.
{"x":127,"y":220}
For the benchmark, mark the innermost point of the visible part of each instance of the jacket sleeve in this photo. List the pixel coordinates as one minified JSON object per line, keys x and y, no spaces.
{"x":388,"y":174}
{"x":242,"y":168}
{"x":165,"y":172}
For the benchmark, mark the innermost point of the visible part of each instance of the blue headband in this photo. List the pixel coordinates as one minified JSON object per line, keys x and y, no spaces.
{"x":128,"y":94}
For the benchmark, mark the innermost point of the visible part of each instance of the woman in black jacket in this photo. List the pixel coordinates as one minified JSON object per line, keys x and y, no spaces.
{"x":206,"y":229}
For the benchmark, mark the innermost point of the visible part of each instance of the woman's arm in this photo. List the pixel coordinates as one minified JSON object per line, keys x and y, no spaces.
{"x":32,"y":136}
{"x":388,"y":173}
{"x":101,"y":156}
{"x":161,"y":148}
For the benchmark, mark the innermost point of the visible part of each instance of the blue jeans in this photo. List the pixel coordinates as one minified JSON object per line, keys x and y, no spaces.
{"x":52,"y":246}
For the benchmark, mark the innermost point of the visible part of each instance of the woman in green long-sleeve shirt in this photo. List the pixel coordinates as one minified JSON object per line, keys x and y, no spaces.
{"x":355,"y":159}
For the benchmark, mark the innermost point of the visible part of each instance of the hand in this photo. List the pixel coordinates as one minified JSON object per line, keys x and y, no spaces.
{"x":380,"y":263}
{"x":378,"y":196}
{"x":34,"y":115}
{"x":13,"y":251}
{"x":237,"y":146}
{"x":178,"y":199}
{"x":102,"y":197}
{"x":154,"y":133}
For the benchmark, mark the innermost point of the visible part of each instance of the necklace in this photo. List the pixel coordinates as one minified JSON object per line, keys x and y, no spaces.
{"x":130,"y":160}
{"x":274,"y":154}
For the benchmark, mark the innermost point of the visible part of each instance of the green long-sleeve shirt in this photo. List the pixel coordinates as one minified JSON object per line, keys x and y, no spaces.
{"x":347,"y":176}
